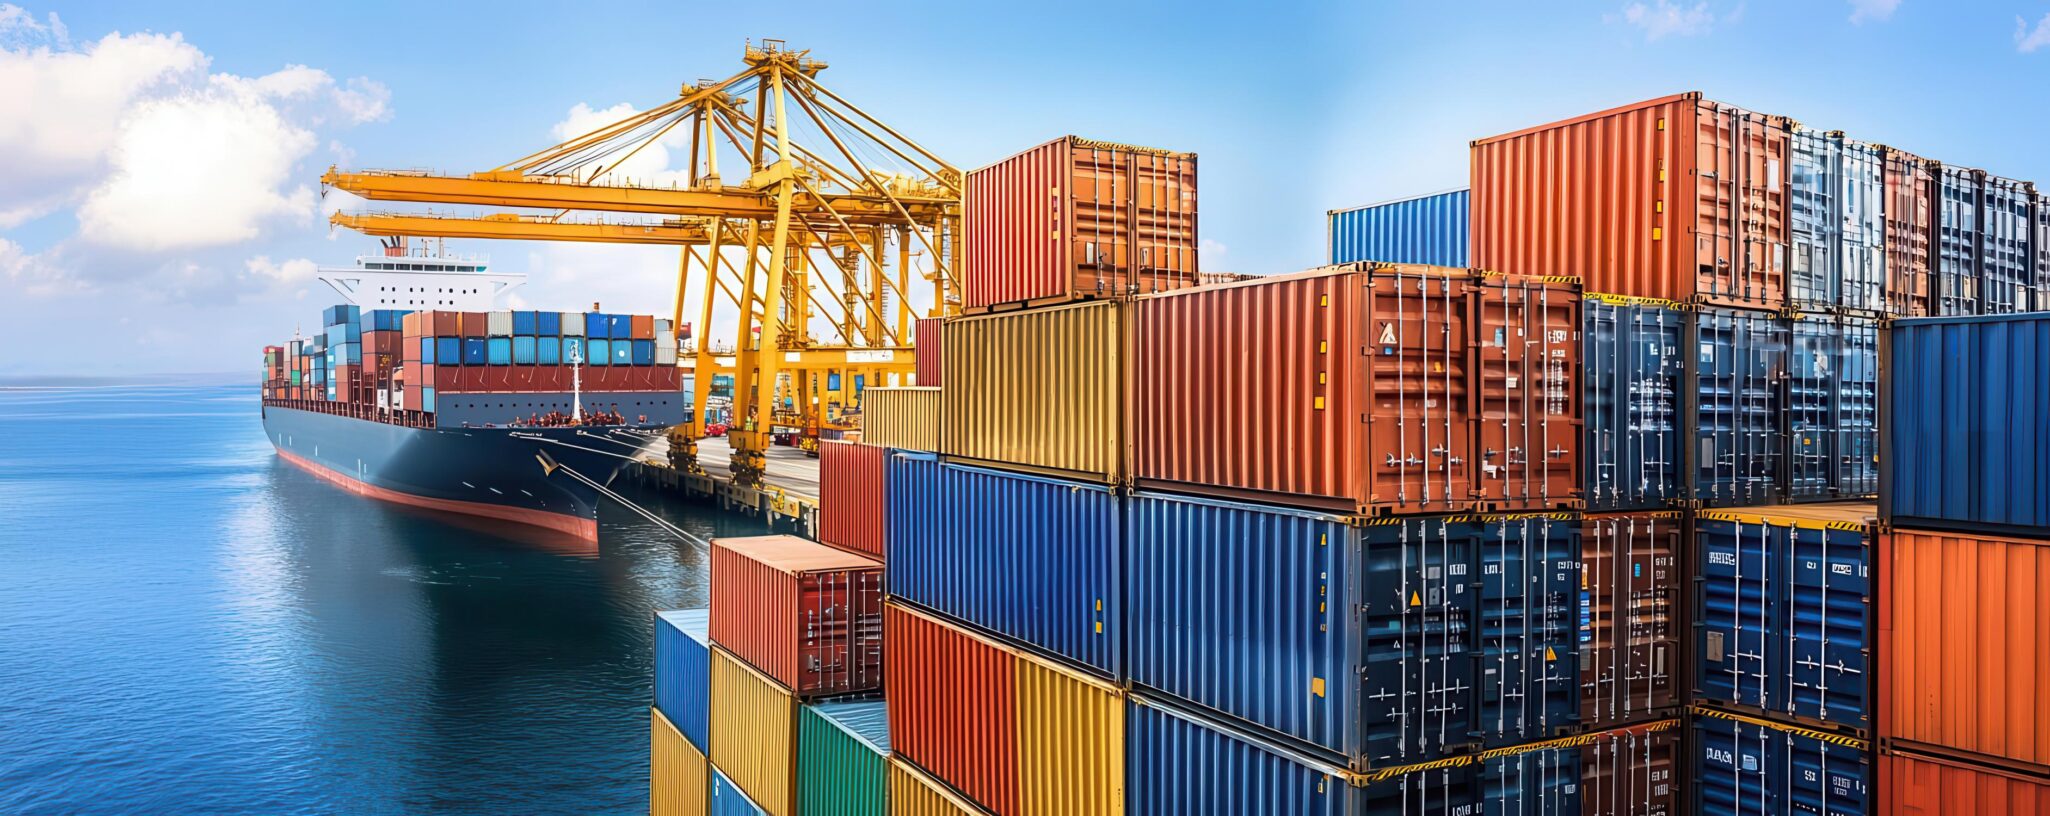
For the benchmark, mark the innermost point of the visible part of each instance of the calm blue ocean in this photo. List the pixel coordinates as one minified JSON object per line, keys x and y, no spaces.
{"x":190,"y":625}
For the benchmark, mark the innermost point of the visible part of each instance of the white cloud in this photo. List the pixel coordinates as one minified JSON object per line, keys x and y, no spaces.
{"x":1665,"y":19}
{"x":1879,"y":10}
{"x":2026,"y":39}
{"x":296,"y":270}
{"x":649,"y":165}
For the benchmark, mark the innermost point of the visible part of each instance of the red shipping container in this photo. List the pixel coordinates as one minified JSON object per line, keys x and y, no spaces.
{"x":442,"y":324}
{"x":409,"y":324}
{"x":1527,"y":394}
{"x":953,"y":706}
{"x":1677,"y":198}
{"x":473,"y":324}
{"x":1344,"y":387}
{"x":1075,"y":219}
{"x":1964,"y":645}
{"x":413,"y":396}
{"x":851,"y":499}
{"x":925,"y":351}
{"x":1912,"y":784}
{"x":1630,"y":638}
{"x":801,"y":612}
{"x":641,"y":327}
{"x":1910,"y":207}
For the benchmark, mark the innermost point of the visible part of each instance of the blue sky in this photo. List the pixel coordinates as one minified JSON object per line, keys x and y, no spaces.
{"x":161,"y":211}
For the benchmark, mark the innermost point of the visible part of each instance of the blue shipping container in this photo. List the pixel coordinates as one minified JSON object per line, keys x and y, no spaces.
{"x":1177,"y":764}
{"x":1738,"y":424}
{"x":1634,"y":373}
{"x":2039,"y":248}
{"x":1833,"y":409}
{"x":683,"y":673}
{"x":473,"y":351}
{"x":340,"y":314}
{"x":1033,"y":559}
{"x":522,"y":350}
{"x":447,"y":350}
{"x":548,"y":324}
{"x":1748,"y":767}
{"x":623,"y":352}
{"x":1968,"y":421}
{"x":426,"y":352}
{"x":388,"y":319}
{"x":1430,"y":229}
{"x":595,"y":326}
{"x":547,"y":350}
{"x":598,"y":352}
{"x":498,"y":350}
{"x":524,"y":323}
{"x":573,"y":350}
{"x":643,"y":352}
{"x":1984,"y":262}
{"x":427,"y":399}
{"x":728,"y":800}
{"x":619,"y":326}
{"x":1783,"y":618}
{"x":1377,"y":642}
{"x":1838,"y":253}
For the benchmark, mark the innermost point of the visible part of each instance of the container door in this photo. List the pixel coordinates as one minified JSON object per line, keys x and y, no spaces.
{"x":1909,"y":210}
{"x":1631,"y":772}
{"x":1829,"y":615}
{"x":1417,"y":335}
{"x":2004,"y":250}
{"x":1957,"y":243}
{"x":1527,"y":441}
{"x":1741,"y":220}
{"x":1823,"y":776}
{"x":1863,"y":256}
{"x":1811,"y":416}
{"x":1532,"y":782}
{"x":1740,"y":358}
{"x":1630,"y":602}
{"x":1854,"y":446}
{"x":1817,"y":182}
{"x":1739,"y":612}
{"x":1634,"y":376}
{"x":1734,"y":774}
{"x":1528,"y":644}
{"x":1418,"y":685}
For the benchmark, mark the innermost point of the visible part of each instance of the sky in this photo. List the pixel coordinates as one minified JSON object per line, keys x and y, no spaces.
{"x":161,"y":211}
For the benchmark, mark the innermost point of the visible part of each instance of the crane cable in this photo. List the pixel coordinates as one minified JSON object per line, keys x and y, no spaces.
{"x":551,"y":467}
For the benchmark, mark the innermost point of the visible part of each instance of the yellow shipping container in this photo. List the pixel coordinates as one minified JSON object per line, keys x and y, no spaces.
{"x":1039,"y":389}
{"x":1071,"y":741}
{"x":903,"y":418}
{"x":676,"y":771}
{"x":913,"y":793}
{"x":754,"y":733}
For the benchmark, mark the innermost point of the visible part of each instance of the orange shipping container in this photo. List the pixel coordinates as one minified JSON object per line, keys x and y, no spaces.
{"x":1678,"y":198}
{"x":1526,"y":394}
{"x":1965,"y":644}
{"x":1910,"y":204}
{"x":1075,"y":219}
{"x":925,"y":339}
{"x":1924,"y":785}
{"x":953,"y":706}
{"x":806,"y":614}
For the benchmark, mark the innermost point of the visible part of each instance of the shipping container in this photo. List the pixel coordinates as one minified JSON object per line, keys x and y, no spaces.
{"x":1832,"y":399}
{"x":852,"y":496}
{"x":1838,"y":189}
{"x":905,"y":418}
{"x":754,"y":733}
{"x":1735,"y":408}
{"x":1040,"y":390}
{"x":1784,"y":612}
{"x":1427,"y":229}
{"x":548,"y":324}
{"x":1526,"y":394}
{"x":1983,"y":261}
{"x":1966,"y":419}
{"x":953,"y":706}
{"x":676,"y":771}
{"x":1963,"y":649}
{"x":1918,"y":784}
{"x":843,"y":759}
{"x":1630,"y":617}
{"x":806,"y":614}
{"x":926,"y":355}
{"x":1077,"y":218}
{"x":498,"y":324}
{"x":1071,"y":741}
{"x":1345,"y":388}
{"x":1372,"y":642}
{"x":1634,"y":372}
{"x":1910,"y":212}
{"x":683,"y":672}
{"x":1633,"y":771}
{"x":729,"y":800}
{"x":574,"y":324}
{"x":1678,"y":198}
{"x":1178,"y":763}
{"x":1034,"y":560}
{"x":914,"y":793}
{"x":1745,"y":766}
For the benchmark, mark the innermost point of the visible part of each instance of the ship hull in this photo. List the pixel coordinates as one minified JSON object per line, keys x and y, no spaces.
{"x":494,"y":473}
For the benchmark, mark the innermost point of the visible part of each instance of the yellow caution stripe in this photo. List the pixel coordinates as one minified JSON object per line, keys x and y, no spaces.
{"x":1634,"y":300}
{"x":1825,"y":736}
{"x":1575,"y":741}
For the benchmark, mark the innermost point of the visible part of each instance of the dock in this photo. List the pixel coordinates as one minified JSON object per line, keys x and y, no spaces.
{"x":789,"y":500}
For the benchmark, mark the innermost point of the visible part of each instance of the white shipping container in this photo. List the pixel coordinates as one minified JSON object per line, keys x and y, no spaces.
{"x":498,"y":324}
{"x":663,"y":328}
{"x":665,"y":356}
{"x":572,"y":324}
{"x":383,"y":401}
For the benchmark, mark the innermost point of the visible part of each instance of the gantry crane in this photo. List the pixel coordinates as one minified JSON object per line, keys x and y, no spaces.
{"x":830,"y":188}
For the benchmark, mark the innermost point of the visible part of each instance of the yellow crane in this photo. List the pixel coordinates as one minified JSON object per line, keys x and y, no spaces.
{"x":823,"y":188}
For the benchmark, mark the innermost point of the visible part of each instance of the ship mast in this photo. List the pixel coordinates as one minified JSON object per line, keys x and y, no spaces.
{"x":576,"y":386}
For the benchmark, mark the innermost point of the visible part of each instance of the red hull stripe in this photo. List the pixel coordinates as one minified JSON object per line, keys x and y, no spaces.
{"x":582,"y":528}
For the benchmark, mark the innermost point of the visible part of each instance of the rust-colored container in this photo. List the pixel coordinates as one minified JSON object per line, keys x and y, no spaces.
{"x":1039,"y":390}
{"x":851,"y":497}
{"x":925,"y":341}
{"x":1075,"y":219}
{"x":1526,"y":394}
{"x":1344,"y":387}
{"x":473,"y":324}
{"x":914,"y":793}
{"x":806,"y":614}
{"x":1632,"y":771}
{"x":1678,"y":198}
{"x":953,"y":706}
{"x":1910,"y":207}
{"x":1965,"y":645}
{"x":1914,"y":784}
{"x":1630,"y":590}
{"x":641,"y":327}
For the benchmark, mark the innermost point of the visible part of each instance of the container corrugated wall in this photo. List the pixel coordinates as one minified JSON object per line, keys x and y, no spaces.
{"x":1751,"y":767}
{"x":676,"y":771}
{"x":808,"y":615}
{"x":1832,"y":403}
{"x":1967,"y":421}
{"x":1735,"y":408}
{"x":953,"y":706}
{"x":925,"y":334}
{"x":1635,"y":372}
{"x":729,"y":800}
{"x":905,"y":418}
{"x":1631,"y":604}
{"x":1179,"y":765}
{"x":1983,"y":260}
{"x":1526,"y":392}
{"x":913,"y":793}
{"x":852,"y":496}
{"x":754,"y":734}
{"x":683,"y":672}
{"x":1912,"y":784}
{"x":1785,"y":612}
{"x":1429,"y":229}
{"x":1910,"y":225}
{"x":1033,"y":559}
{"x":1040,"y":389}
{"x":843,"y":759}
{"x":1071,"y":742}
{"x":1965,"y":644}
{"x":1677,"y":198}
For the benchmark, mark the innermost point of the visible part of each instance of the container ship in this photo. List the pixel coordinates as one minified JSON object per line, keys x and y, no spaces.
{"x":418,"y":391}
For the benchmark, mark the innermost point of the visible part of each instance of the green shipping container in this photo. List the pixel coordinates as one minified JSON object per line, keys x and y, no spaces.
{"x":843,"y":752}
